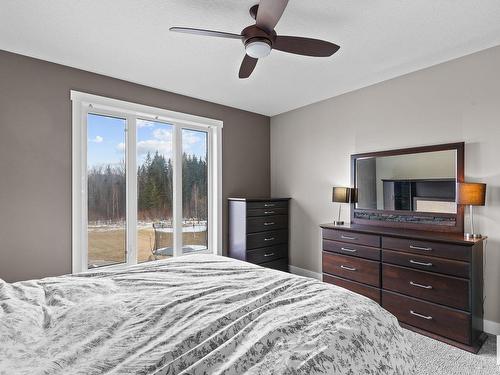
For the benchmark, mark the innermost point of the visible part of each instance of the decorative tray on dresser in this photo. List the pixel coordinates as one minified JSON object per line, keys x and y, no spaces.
{"x":258,"y":231}
{"x":432,"y":282}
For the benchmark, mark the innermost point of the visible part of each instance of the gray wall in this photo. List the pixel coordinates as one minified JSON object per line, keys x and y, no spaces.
{"x":451,"y":102}
{"x":35,"y":157}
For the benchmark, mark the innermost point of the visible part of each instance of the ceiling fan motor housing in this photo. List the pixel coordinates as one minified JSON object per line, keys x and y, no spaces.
{"x":258,"y":43}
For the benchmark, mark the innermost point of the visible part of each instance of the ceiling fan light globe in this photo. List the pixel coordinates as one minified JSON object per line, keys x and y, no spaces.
{"x":258,"y":49}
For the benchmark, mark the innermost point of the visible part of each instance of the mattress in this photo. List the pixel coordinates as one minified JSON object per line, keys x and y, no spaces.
{"x":196,"y":314}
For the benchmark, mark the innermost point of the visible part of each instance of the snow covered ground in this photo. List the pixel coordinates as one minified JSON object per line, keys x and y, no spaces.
{"x":188,"y":226}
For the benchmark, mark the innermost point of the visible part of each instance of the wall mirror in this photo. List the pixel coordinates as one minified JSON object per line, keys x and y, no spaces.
{"x":412,"y":188}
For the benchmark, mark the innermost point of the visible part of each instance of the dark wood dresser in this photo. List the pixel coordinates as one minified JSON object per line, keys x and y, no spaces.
{"x":258,"y":231}
{"x":432,"y":282}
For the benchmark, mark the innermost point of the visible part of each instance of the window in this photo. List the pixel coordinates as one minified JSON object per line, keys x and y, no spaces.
{"x":155,"y":237}
{"x":106,"y":191}
{"x":194,"y":190}
{"x":146,"y":183}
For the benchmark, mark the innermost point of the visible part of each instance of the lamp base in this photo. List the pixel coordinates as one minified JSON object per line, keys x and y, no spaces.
{"x":338,"y":222}
{"x":472,"y":236}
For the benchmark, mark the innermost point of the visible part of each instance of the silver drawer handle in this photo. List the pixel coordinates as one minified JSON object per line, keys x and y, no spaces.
{"x":346,"y":249}
{"x":420,"y":248}
{"x":420,"y":315}
{"x":348,"y":268}
{"x":269,"y":205}
{"x":269,"y":212}
{"x":347,"y":237}
{"x":269,"y":239}
{"x":420,"y":285}
{"x":267,"y":224}
{"x":269,"y":255}
{"x":420,"y":263}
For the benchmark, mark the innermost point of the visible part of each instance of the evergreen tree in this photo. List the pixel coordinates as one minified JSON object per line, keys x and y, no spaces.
{"x":107,"y":189}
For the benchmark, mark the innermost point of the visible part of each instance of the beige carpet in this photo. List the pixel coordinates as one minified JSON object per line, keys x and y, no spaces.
{"x":436,"y":358}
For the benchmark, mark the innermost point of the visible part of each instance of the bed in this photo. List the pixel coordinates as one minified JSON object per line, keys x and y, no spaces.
{"x":196,"y":314}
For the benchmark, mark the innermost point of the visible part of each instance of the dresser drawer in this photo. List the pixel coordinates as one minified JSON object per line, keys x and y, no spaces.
{"x":445,"y":290}
{"x":261,"y":224}
{"x":267,"y":254}
{"x":266,"y":239}
{"x":267,"y":212}
{"x":437,"y":249}
{"x":426,"y":263}
{"x":365,"y":290}
{"x":357,"y":269}
{"x":280,"y":265}
{"x":350,"y":237}
{"x":267,"y":204}
{"x":444,"y":321}
{"x":352,"y":249}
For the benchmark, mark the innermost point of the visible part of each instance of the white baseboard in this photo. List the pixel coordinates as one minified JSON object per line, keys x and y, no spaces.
{"x":490,"y":326}
{"x":303,"y":272}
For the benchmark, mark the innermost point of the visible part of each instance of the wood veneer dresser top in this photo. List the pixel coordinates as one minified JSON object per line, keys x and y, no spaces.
{"x":432,"y":282}
{"x":258,"y":231}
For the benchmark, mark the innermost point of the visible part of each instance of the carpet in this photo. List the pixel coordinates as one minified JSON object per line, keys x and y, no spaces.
{"x":436,"y":358}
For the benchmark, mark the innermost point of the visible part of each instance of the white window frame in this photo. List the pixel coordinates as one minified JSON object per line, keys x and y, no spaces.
{"x":82,"y":104}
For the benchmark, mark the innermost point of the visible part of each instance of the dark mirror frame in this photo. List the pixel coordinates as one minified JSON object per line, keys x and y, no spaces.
{"x":438,"y":222}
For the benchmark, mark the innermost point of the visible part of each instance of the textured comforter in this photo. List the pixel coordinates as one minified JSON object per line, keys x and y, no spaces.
{"x":197,"y":314}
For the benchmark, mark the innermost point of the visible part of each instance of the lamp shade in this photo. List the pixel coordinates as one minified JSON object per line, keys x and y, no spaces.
{"x":471,"y":193}
{"x":343,"y":195}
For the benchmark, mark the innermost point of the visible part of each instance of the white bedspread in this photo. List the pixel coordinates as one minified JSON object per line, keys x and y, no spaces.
{"x":197,"y":314}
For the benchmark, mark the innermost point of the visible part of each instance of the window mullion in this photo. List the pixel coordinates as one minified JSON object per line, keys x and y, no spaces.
{"x":216,"y":189}
{"x":177,"y":190}
{"x":131,"y":186}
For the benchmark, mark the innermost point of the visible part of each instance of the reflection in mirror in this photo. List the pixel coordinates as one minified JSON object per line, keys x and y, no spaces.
{"x":420,"y":182}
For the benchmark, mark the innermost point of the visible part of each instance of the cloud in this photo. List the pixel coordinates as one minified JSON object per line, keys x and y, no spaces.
{"x":153,"y":145}
{"x":192,"y":138}
{"x":163,"y":135}
{"x":162,"y":142}
{"x":97,"y":139}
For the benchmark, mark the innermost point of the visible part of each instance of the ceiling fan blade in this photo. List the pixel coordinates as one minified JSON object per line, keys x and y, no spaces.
{"x":219,"y":34}
{"x":269,"y":13}
{"x":247,"y":66}
{"x":305,"y":46}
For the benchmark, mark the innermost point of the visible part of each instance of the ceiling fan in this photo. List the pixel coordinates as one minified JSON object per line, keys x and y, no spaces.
{"x":260,"y":39}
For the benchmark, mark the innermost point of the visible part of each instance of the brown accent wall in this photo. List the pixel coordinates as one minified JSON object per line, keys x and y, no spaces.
{"x":35,"y":157}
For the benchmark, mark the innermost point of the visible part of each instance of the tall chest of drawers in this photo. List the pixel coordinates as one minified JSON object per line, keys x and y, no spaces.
{"x":258,"y":231}
{"x":432,"y":282}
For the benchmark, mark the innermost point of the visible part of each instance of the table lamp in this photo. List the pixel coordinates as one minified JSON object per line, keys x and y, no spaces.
{"x":471,"y":194}
{"x":342,"y":195}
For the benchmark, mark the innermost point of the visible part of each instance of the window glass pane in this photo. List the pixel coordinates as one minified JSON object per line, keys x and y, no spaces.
{"x":194,"y":191}
{"x":106,"y":141}
{"x":154,"y":187}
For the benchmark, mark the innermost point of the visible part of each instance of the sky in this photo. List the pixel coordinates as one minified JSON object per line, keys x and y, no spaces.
{"x":106,"y":140}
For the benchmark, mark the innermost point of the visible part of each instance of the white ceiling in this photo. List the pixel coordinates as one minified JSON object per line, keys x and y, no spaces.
{"x":129,"y":39}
